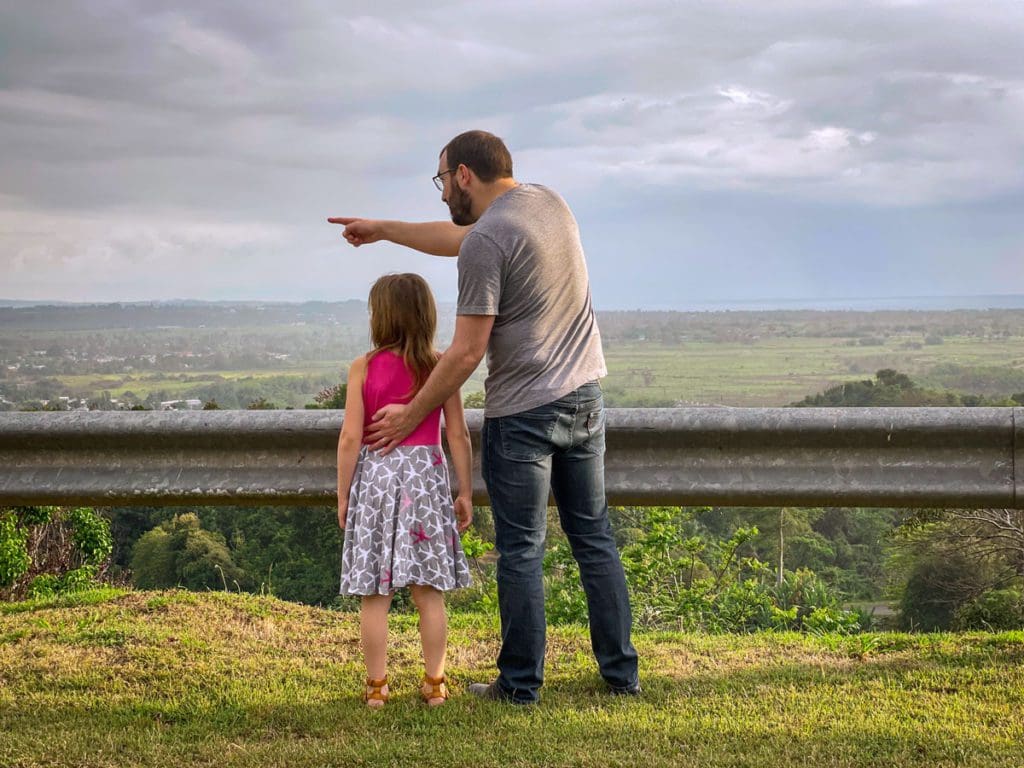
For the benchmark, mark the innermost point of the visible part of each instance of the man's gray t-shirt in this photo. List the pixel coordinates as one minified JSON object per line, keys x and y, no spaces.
{"x":523,"y":263}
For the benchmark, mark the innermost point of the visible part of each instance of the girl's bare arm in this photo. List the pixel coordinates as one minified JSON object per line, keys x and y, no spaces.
{"x":351,"y":437}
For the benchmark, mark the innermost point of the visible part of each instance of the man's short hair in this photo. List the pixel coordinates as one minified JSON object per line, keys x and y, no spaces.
{"x":483,"y":153}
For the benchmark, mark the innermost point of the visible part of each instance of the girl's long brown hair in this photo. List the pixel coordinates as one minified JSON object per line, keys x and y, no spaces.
{"x":403,"y":319}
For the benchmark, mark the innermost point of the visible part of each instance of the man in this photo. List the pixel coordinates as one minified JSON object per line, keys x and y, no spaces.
{"x":524,"y":299}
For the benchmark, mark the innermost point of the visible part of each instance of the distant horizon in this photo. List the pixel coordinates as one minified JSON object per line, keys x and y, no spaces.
{"x":851,"y":303}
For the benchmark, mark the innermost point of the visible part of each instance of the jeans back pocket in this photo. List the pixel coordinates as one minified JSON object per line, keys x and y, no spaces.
{"x":526,"y":437}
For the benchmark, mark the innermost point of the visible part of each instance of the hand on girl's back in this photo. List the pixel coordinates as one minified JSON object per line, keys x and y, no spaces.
{"x":388,"y":428}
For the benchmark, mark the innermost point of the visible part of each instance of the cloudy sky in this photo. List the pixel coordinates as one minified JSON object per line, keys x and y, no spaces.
{"x":712,"y":151}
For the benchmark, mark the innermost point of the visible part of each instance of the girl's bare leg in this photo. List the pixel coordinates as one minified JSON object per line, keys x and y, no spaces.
{"x":373,"y":627}
{"x":433,"y":629}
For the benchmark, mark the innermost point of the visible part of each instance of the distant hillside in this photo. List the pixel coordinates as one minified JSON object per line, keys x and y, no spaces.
{"x":88,"y":317}
{"x":18,"y":303}
{"x":629,"y":325}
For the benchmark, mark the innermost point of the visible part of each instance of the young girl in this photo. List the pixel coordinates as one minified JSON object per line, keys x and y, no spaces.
{"x":401,"y":528}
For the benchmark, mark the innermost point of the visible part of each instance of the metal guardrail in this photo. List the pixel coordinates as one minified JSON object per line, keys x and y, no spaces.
{"x":898,"y":457}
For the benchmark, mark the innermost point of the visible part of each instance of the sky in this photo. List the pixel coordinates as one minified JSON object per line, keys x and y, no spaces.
{"x":742,"y":151}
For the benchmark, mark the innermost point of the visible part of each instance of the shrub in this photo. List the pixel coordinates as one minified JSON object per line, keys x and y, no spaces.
{"x":833,"y":621}
{"x":51,"y":550}
{"x":932,"y":593}
{"x":49,"y":585}
{"x":564,"y":599}
{"x":996,"y":609}
{"x":681,"y":579}
{"x":91,"y":534}
{"x":14,"y":557}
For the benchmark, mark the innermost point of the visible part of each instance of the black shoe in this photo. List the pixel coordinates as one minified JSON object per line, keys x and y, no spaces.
{"x":628,"y":690}
{"x":491,"y":692}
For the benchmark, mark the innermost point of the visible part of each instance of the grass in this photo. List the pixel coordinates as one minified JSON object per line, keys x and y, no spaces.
{"x":118,"y":678}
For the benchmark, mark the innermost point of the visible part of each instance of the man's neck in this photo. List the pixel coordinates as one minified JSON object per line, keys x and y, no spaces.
{"x":493,"y":191}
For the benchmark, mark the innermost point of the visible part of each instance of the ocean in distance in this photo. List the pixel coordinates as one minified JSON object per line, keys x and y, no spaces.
{"x":865,"y":304}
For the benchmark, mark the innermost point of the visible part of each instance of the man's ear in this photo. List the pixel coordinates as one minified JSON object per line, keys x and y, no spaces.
{"x":464,"y":174}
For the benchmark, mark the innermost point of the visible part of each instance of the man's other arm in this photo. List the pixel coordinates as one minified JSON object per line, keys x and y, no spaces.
{"x":393,"y":423}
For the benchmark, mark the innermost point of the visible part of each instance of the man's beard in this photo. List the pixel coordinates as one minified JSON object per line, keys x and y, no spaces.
{"x":460,"y":206}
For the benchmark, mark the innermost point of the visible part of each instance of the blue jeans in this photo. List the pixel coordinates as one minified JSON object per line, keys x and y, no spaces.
{"x":557,"y":447}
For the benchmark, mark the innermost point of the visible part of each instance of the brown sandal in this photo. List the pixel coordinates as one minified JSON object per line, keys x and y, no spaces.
{"x":438,"y":690}
{"x":374,"y":695}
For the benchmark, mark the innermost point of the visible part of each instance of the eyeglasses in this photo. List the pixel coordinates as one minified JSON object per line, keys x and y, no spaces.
{"x":437,"y":179}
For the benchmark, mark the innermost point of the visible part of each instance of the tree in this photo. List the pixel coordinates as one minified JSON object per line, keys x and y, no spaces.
{"x":936,"y":587}
{"x":891,"y":388}
{"x":291,"y":552}
{"x":181,"y":553}
{"x":330,"y":397}
{"x":950,"y":559}
{"x":991,"y":533}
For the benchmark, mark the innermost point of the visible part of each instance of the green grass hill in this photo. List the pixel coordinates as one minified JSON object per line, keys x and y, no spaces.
{"x":119,"y":678}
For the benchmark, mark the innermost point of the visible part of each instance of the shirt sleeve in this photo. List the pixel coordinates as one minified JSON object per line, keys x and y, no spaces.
{"x":481,"y":270}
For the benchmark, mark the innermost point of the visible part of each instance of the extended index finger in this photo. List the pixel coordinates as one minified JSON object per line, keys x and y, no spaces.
{"x":346,"y":220}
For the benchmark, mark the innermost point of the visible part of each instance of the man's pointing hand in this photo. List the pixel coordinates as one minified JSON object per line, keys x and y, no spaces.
{"x":359,"y":231}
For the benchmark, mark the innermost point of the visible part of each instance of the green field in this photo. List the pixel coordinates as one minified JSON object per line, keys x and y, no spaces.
{"x":181,"y":383}
{"x":654,"y":358}
{"x":778,"y":371}
{"x":176,"y":678}
{"x":766,"y":372}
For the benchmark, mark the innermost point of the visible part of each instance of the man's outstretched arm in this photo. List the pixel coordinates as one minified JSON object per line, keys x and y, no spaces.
{"x":438,"y":238}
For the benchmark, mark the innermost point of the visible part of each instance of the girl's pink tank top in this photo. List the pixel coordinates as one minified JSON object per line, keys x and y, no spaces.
{"x":389,"y":381}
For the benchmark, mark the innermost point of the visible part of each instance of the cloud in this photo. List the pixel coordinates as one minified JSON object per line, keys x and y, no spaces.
{"x":83,"y":246}
{"x":727,"y":94}
{"x":149,"y":129}
{"x":874,"y":135}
